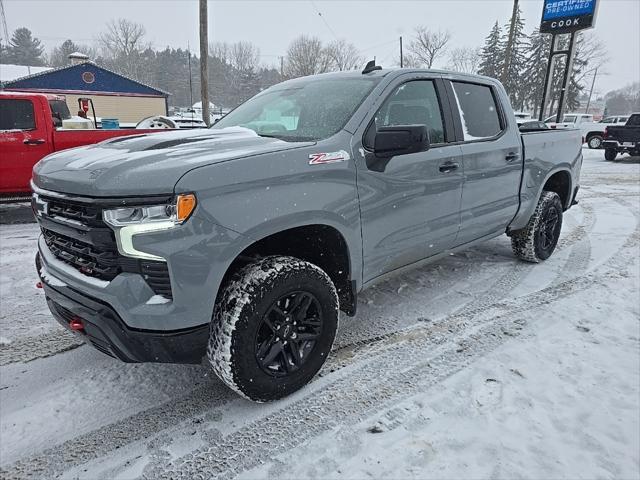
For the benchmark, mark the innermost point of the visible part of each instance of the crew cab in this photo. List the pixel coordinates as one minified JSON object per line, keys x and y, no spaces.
{"x":622,"y":138}
{"x":240,"y":244}
{"x":32,"y":127}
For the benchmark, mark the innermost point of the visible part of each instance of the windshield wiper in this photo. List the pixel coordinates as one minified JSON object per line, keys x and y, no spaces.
{"x":269,"y":135}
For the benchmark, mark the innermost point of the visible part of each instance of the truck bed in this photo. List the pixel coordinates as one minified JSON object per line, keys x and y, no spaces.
{"x":546,"y":152}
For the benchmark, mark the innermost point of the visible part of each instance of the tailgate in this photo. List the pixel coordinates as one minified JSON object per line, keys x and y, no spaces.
{"x":624,"y":134}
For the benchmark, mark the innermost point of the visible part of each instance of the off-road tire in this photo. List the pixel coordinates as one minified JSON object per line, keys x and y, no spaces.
{"x":238,"y":316}
{"x":527,"y":243}
{"x":610,"y":154}
{"x":594,"y":141}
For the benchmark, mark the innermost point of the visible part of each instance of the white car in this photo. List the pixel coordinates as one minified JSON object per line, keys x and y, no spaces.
{"x":592,"y":132}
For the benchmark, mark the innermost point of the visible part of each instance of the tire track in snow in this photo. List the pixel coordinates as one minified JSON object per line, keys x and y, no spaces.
{"x":358,"y":394}
{"x":578,"y":261}
{"x":391,"y":352}
{"x":26,"y":349}
{"x":506,"y":282}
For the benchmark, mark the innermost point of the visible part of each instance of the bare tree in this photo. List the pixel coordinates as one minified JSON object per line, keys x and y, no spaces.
{"x":220,"y":50}
{"x":590,"y":54}
{"x":465,"y":60}
{"x":343,"y":55}
{"x":243,"y":56}
{"x":428,"y":45}
{"x":122,"y":44}
{"x":306,"y":56}
{"x":122,"y":38}
{"x":238,"y":77}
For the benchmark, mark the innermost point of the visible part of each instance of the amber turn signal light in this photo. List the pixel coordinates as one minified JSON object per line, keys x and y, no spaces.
{"x":185,"y":205}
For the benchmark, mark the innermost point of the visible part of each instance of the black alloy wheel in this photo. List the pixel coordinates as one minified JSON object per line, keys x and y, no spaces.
{"x":549,"y":230}
{"x":288,"y":333}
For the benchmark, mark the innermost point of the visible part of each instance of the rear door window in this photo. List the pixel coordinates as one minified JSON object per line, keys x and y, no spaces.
{"x":478,"y":111}
{"x":16,"y":114}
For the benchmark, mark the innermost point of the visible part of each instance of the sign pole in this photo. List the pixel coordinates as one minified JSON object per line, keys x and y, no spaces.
{"x":566,"y":80}
{"x":547,"y":78}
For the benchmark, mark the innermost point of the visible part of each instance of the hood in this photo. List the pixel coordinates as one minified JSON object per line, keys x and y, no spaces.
{"x":147,"y":164}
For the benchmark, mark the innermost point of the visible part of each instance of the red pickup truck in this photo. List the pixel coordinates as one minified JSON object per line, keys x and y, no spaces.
{"x":29,"y":130}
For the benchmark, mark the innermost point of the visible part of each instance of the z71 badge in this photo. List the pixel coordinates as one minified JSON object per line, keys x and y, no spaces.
{"x":331,"y":157}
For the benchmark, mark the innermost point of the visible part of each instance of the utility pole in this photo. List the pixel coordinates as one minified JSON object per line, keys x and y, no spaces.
{"x":204,"y":59}
{"x":401,"y":59}
{"x":281,"y":67}
{"x":593,"y":82}
{"x":190,"y":78}
{"x":510,"y":42}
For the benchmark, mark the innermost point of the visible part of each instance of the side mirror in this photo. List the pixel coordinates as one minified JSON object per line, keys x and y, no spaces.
{"x":57,"y":122}
{"x":401,"y":140}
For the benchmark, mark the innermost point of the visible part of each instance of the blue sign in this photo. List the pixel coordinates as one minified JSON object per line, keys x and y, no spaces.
{"x":563,"y":16}
{"x":567,"y":8}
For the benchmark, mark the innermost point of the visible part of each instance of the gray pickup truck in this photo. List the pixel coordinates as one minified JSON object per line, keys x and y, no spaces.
{"x":238,"y":245}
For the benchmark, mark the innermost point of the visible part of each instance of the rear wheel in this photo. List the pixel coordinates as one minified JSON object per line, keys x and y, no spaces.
{"x":610,"y":154}
{"x":273,"y":327}
{"x":594,"y":141}
{"x":537,"y":241}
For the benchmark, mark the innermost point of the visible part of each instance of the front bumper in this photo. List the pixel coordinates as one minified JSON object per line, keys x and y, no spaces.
{"x":104,"y":329}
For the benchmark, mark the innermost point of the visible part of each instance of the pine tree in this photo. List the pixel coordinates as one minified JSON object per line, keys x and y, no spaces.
{"x":24,"y":49}
{"x":513,"y":80}
{"x":60,"y":55}
{"x":535,"y":70}
{"x":492,"y":55}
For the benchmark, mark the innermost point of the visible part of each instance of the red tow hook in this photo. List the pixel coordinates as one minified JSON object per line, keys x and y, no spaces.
{"x":76,"y":325}
{"x":39,"y":285}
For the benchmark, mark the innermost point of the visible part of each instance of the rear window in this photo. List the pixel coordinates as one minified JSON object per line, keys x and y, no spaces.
{"x":634,"y":121}
{"x":59,"y":109}
{"x":478,"y":111}
{"x":16,"y":115}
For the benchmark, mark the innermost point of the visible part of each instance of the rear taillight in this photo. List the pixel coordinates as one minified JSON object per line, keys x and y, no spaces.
{"x":606,"y":132}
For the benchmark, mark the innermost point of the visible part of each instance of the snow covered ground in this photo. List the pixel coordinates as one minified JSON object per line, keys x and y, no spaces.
{"x":478,"y":366}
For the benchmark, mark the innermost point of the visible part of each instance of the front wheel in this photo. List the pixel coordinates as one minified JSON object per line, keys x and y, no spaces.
{"x":594,"y":141}
{"x":537,"y":241}
{"x":273,"y":327}
{"x":610,"y":154}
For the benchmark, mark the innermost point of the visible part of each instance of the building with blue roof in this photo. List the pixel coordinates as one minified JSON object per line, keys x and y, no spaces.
{"x":113,"y":95}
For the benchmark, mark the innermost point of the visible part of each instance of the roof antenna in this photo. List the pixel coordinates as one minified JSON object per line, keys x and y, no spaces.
{"x":371,"y":67}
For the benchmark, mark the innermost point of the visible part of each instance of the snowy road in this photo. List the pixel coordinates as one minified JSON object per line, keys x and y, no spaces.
{"x":476,"y":366}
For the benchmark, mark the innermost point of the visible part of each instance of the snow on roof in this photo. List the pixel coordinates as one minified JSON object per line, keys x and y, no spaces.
{"x":78,"y":55}
{"x":10,"y":72}
{"x":199,"y":105}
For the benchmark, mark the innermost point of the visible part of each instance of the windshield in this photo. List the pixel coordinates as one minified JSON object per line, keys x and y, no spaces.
{"x":312,"y":110}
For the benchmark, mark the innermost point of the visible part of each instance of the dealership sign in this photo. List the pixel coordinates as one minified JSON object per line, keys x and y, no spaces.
{"x":565,"y":16}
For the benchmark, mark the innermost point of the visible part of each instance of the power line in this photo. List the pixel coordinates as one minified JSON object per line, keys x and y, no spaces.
{"x":324,"y":20}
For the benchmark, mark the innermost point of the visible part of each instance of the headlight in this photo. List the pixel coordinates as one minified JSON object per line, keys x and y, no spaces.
{"x":129,"y":221}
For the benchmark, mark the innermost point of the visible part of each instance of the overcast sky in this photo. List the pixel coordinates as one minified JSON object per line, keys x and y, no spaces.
{"x":373,"y":26}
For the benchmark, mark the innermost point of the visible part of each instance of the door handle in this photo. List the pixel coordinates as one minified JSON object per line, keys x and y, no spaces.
{"x":511,"y":157}
{"x":33,"y":141}
{"x":448,"y":167}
